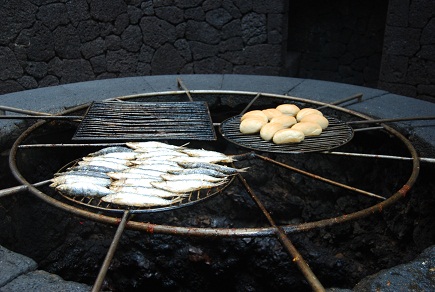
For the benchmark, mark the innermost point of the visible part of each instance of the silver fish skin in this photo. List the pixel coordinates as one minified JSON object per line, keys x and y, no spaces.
{"x":111,"y":149}
{"x":150,"y":145}
{"x":103,"y":163}
{"x":108,"y":159}
{"x":147,"y":191}
{"x":69,"y":179}
{"x":136,"y":200}
{"x":83,"y":189}
{"x":83,"y":173}
{"x":206,"y":153}
{"x":134,"y":182}
{"x":120,"y":155}
{"x":189,"y":177}
{"x":93,"y":168}
{"x":181,"y":186}
{"x":131,"y":175}
{"x":207,"y":171}
{"x":205,"y":159}
{"x":218,"y":167}
{"x":159,"y":167}
{"x":143,"y":153}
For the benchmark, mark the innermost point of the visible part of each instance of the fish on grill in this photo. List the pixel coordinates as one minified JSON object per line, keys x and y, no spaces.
{"x":83,"y":189}
{"x":112,"y":149}
{"x":73,"y":178}
{"x":145,"y":174}
{"x":183,"y":186}
{"x":138,"y":200}
{"x":148,"y":191}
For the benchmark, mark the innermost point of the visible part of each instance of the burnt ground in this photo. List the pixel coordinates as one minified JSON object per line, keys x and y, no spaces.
{"x":340,"y":255}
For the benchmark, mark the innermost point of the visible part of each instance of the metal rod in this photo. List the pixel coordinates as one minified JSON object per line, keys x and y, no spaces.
{"x":24,"y":146}
{"x":22,"y":188}
{"x":368,"y":129}
{"x":39,"y":117}
{"x":391,"y":120}
{"x":102,"y":274}
{"x":286,"y":242}
{"x":250,"y":103}
{"x":424,"y":159}
{"x":22,"y":111}
{"x":321,"y":178}
{"x":181,"y":85}
{"x":356,"y":96}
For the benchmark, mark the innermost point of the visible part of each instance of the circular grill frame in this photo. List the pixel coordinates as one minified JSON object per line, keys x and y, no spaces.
{"x":220,"y":232}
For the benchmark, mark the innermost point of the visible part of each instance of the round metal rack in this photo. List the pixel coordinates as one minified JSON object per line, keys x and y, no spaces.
{"x":281,"y":231}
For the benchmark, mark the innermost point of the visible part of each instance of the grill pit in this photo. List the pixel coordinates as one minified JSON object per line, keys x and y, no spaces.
{"x":74,"y":247}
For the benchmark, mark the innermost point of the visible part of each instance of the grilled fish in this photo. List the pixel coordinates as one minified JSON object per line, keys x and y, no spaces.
{"x":136,"y":200}
{"x":181,"y":186}
{"x":112,"y":149}
{"x":148,"y":191}
{"x":134,"y":182}
{"x":86,"y":173}
{"x":150,"y":145}
{"x":207,"y":171}
{"x":93,"y":168}
{"x":204,"y":159}
{"x":206,"y":153}
{"x":159,"y":167}
{"x":120,"y":155}
{"x":190,"y":177}
{"x":132,"y":175}
{"x":85,"y":189}
{"x":103,"y":163}
{"x":217,"y":167}
{"x":71,"y":178}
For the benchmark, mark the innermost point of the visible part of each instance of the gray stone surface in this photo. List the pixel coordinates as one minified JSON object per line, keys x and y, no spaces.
{"x":13,"y":265}
{"x":19,"y":273}
{"x":41,"y":281}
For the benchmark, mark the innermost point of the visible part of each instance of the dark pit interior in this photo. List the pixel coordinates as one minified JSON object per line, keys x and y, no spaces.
{"x":339,"y":255}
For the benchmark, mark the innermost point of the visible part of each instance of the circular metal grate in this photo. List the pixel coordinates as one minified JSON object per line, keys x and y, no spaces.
{"x":336,"y":134}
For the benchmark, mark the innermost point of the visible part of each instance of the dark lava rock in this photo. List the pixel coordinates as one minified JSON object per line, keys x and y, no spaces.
{"x":417,"y":275}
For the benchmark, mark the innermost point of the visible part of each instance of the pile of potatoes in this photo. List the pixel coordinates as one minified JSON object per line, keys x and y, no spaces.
{"x":286,"y":123}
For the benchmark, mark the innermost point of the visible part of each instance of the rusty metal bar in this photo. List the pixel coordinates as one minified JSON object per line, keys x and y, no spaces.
{"x":39,"y":117}
{"x":320,"y":178}
{"x":19,"y":189}
{"x":54,"y":145}
{"x":340,"y":101}
{"x":22,"y":111}
{"x":370,"y":121}
{"x":286,"y":242}
{"x":181,"y":85}
{"x":250,"y":103}
{"x":102,"y":274}
{"x":423,"y":159}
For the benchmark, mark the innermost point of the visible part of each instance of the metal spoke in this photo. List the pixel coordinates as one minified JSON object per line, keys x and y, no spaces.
{"x":285,"y":241}
{"x":321,"y":178}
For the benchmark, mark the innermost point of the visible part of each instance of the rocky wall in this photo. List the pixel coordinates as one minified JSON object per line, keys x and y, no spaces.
{"x":336,"y":40}
{"x":47,"y":42}
{"x":408,"y":60}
